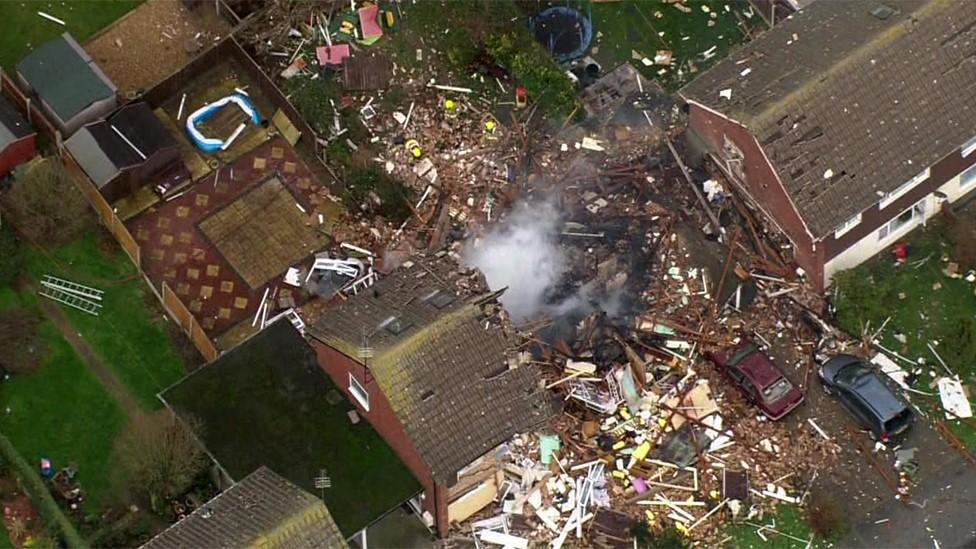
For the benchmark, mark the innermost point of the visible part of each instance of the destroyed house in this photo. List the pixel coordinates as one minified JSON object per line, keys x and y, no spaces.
{"x":70,"y":88}
{"x":847,"y":125}
{"x":266,"y":403}
{"x":262,"y":510}
{"x":125,"y":151}
{"x":437,"y":375}
{"x":16,"y":138}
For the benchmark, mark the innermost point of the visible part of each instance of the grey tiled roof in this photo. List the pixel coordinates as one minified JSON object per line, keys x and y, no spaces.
{"x":451,"y":375}
{"x":837,"y":90}
{"x":262,"y":510}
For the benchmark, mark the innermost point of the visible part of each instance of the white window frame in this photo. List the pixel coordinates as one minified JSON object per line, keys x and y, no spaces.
{"x":847,"y":226}
{"x":968,"y":147}
{"x":968,"y":173}
{"x":904,"y":188}
{"x":733,"y":157}
{"x":887,"y":232}
{"x":358,"y":392}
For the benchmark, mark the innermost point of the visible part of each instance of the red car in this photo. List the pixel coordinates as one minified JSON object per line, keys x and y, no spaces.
{"x":761,"y":381}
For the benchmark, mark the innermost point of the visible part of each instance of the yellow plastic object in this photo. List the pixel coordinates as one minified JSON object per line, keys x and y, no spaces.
{"x":619,"y":445}
{"x":641,"y":452}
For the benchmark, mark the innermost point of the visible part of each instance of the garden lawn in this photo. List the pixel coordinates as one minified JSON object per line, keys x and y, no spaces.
{"x":129,"y":335}
{"x":60,"y":411}
{"x":646,"y":26}
{"x":22,"y":30}
{"x":788,"y":519}
{"x":925,"y":306}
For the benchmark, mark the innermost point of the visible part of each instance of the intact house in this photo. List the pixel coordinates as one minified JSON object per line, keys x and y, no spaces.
{"x":266,"y":403}
{"x":263,"y":510}
{"x":847,"y":125}
{"x":430,"y":361}
{"x":125,"y":151}
{"x":16,"y":138}
{"x":70,"y":88}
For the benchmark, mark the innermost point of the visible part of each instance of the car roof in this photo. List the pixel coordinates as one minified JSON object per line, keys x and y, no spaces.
{"x":759,"y":369}
{"x":878,"y":396}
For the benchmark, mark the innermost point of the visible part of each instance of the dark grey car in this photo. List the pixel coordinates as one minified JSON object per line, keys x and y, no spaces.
{"x":869,"y":399}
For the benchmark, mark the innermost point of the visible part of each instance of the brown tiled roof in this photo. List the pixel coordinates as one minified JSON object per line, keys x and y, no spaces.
{"x":262,"y":510}
{"x":450,"y":373}
{"x":836,"y":89}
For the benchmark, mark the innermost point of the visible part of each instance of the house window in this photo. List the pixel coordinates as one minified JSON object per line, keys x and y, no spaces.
{"x":848,"y":225}
{"x":733,"y":158}
{"x":968,"y":147}
{"x":358,"y":392}
{"x":904,"y":188}
{"x":968,"y":177}
{"x":904,"y":219}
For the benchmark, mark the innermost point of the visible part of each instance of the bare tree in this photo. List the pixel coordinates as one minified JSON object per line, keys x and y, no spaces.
{"x":46,"y":206}
{"x":159,"y":456}
{"x":19,"y":338}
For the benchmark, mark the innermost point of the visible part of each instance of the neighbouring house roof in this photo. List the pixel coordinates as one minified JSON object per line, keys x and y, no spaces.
{"x":262,"y":510}
{"x":849,"y":100}
{"x":267,"y":403}
{"x":447,"y":367}
{"x":102,"y":152}
{"x":12,"y":125}
{"x":65,"y":77}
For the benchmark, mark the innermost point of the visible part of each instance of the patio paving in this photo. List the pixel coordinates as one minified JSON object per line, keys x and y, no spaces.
{"x":223,"y":283}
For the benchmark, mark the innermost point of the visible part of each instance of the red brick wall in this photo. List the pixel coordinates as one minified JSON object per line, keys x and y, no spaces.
{"x":382,"y":417}
{"x":762,"y":185}
{"x":18,"y":152}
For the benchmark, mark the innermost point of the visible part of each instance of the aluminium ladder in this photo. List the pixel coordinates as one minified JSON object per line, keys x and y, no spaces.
{"x":71,"y":300}
{"x":85,"y":292}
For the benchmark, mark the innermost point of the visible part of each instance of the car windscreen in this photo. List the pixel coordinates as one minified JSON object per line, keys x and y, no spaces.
{"x":849,"y":375}
{"x":776,"y":390}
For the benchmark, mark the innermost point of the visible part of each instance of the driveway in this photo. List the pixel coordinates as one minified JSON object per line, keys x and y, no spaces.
{"x":941,"y":507}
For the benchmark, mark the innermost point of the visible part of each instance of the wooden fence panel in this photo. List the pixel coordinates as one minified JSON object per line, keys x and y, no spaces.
{"x":175,"y":307}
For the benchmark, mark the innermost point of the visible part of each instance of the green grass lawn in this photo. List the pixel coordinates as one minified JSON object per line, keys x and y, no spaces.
{"x":22,"y":30}
{"x":787,"y":519}
{"x":621,"y":28}
{"x":129,"y":334}
{"x":60,"y":411}
{"x":925,"y":306}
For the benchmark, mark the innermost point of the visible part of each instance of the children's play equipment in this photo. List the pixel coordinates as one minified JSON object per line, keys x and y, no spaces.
{"x":210,"y":144}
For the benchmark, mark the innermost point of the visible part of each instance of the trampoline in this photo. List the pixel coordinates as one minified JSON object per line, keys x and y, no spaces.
{"x":564,"y":31}
{"x":211,"y":144}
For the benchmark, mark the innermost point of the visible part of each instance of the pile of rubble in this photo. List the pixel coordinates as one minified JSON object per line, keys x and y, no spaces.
{"x":650,"y":432}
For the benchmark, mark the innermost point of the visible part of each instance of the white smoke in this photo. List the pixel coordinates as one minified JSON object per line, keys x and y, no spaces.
{"x":522,"y":253}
